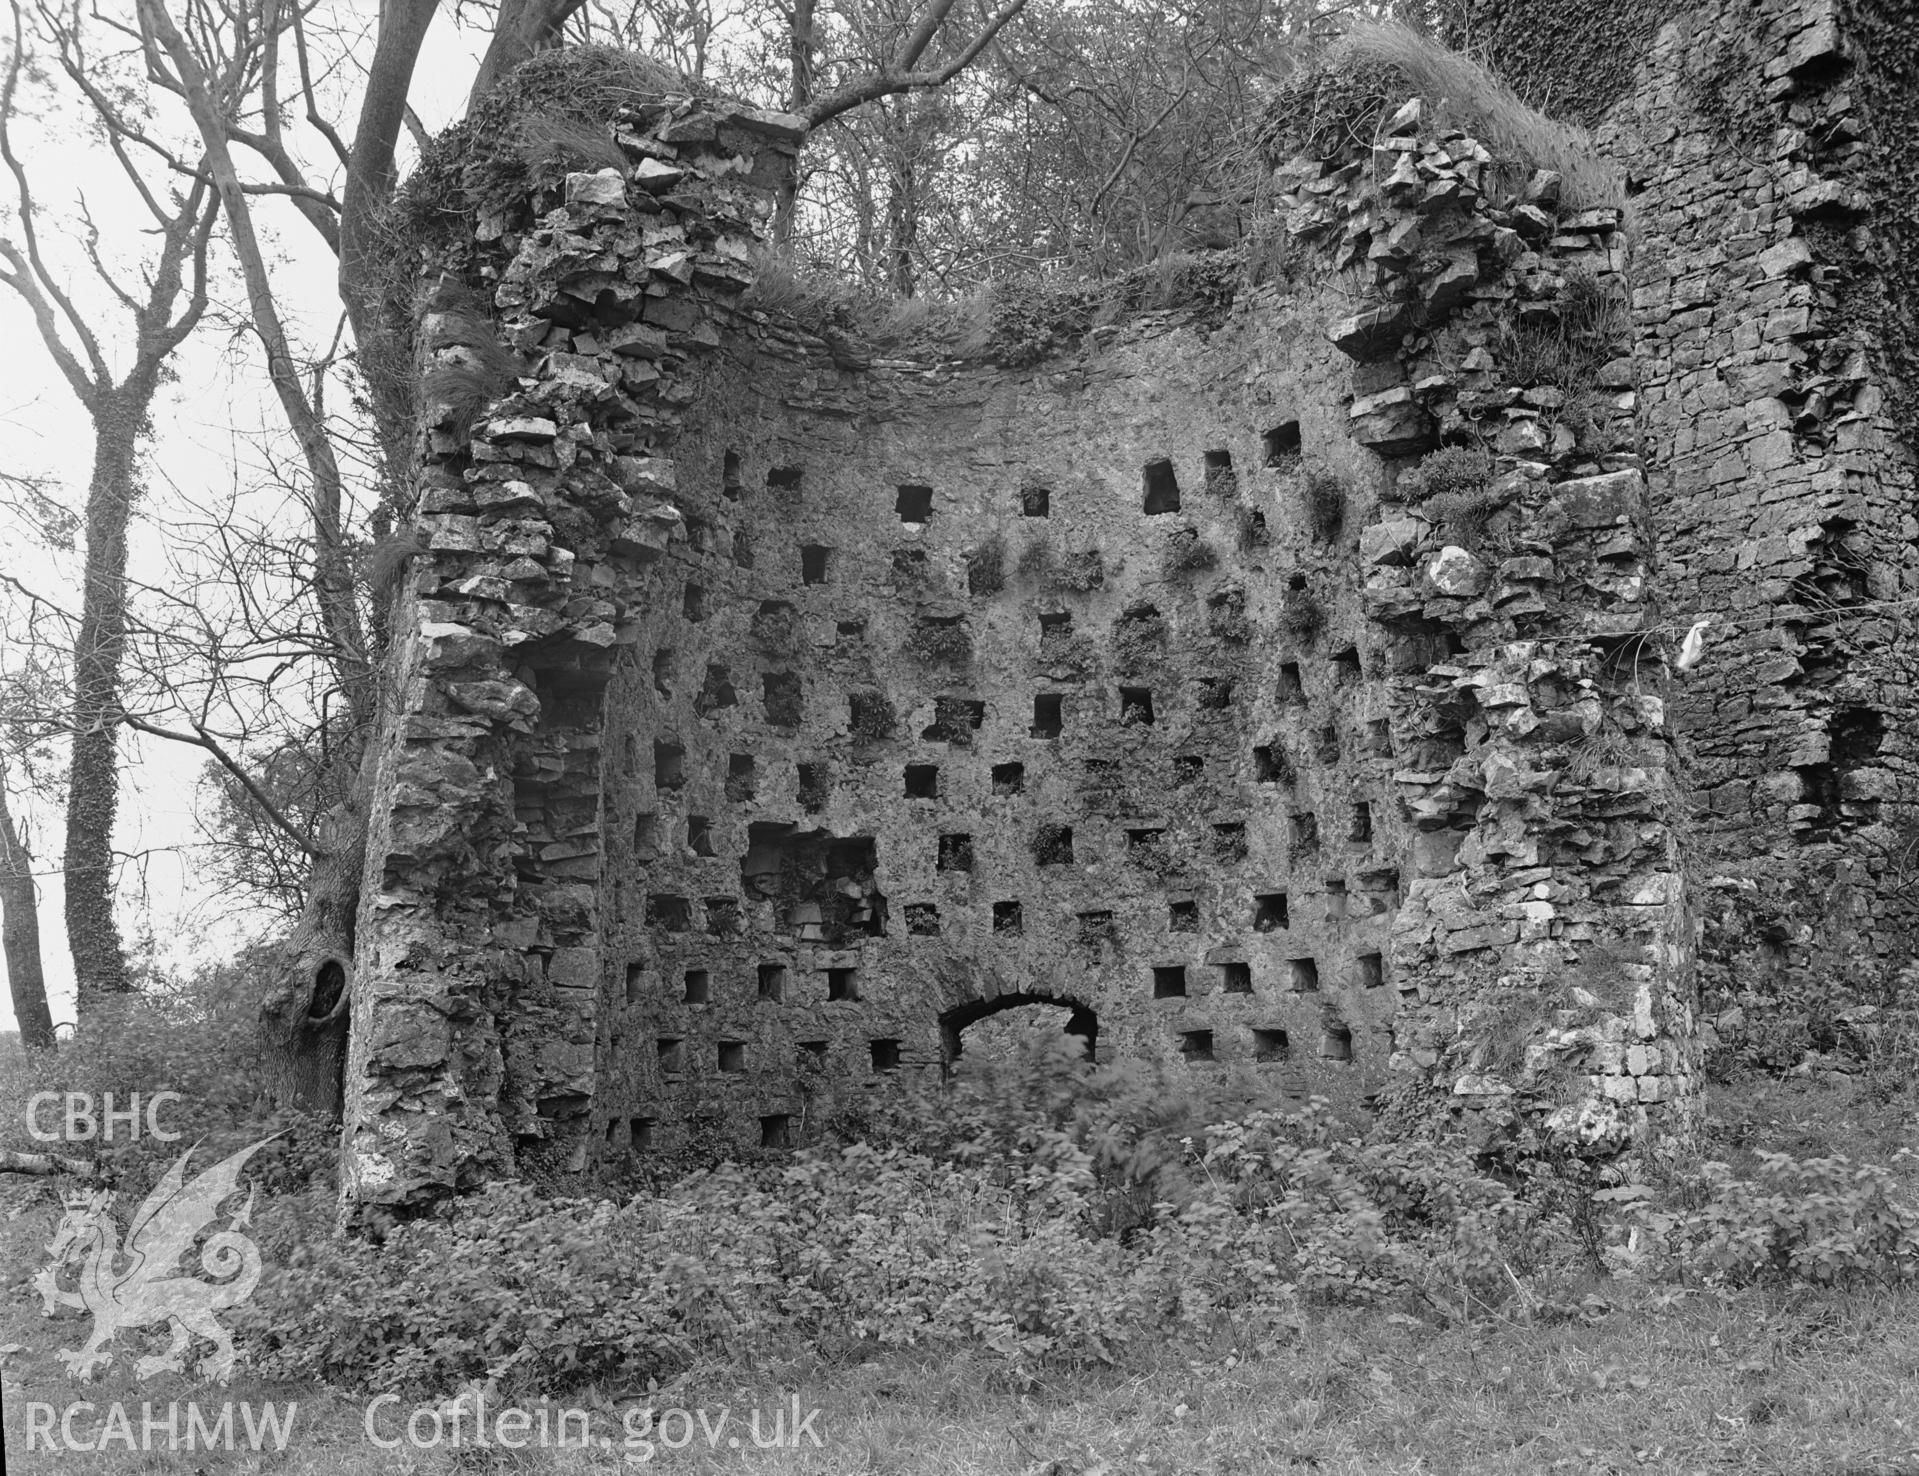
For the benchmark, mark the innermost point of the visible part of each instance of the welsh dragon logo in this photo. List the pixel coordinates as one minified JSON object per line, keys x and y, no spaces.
{"x":138,"y":1285}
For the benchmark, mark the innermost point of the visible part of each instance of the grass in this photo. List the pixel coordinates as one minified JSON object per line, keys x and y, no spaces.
{"x":1465,"y":94}
{"x":1566,"y":353}
{"x":551,"y":140}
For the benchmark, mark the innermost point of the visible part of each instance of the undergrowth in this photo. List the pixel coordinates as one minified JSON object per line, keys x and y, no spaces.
{"x":1042,"y":1213}
{"x":1037,"y":1214}
{"x":1047,"y":1215}
{"x":871,"y":717}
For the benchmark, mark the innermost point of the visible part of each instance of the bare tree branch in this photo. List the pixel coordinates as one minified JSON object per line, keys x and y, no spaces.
{"x":896,"y":75}
{"x":201,"y":738}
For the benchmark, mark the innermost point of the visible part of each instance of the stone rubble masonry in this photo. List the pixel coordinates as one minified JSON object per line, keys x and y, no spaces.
{"x":1543,"y":951}
{"x":1769,"y":366}
{"x":479,"y":1002}
{"x":765,"y":713}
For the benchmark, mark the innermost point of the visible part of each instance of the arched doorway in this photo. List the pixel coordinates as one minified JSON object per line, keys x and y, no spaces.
{"x":1079,"y":1021}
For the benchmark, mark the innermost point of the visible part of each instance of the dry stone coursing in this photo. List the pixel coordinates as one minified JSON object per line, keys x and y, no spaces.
{"x":1772,"y":370}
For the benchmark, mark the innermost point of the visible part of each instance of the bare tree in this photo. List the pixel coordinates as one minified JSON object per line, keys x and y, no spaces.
{"x":178,"y":65}
{"x":163,"y":301}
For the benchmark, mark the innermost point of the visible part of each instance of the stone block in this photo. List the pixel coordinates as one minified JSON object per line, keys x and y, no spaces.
{"x":1366,"y":335}
{"x":1455,"y":572}
{"x":657,"y":177}
{"x":521,"y":428}
{"x":1597,"y":502}
{"x":574,"y":968}
{"x":1816,"y":46}
{"x":1394,"y":426}
{"x":605,"y":187}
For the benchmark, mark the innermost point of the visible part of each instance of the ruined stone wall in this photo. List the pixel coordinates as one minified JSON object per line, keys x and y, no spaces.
{"x":477,"y":986}
{"x":768,"y":712}
{"x":972,"y":688}
{"x":1773,"y":371}
{"x":1546,"y":934}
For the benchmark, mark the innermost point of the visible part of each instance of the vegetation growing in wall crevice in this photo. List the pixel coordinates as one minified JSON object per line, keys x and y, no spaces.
{"x":1323,"y":493}
{"x":1139,"y":638}
{"x":1053,"y":845}
{"x":1188,"y":553}
{"x":1589,"y":327}
{"x":1453,"y":488}
{"x":986,"y":567}
{"x":1465,"y":519}
{"x":872,"y":718}
{"x":1078,"y":571}
{"x":1302,"y":617}
{"x":776,"y":629}
{"x":940,"y":642}
{"x":1450,"y":469}
{"x":1226,"y":615}
{"x":471,"y":365}
{"x":1333,"y":103}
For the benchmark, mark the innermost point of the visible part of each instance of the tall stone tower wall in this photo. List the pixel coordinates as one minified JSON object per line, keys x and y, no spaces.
{"x":1774,"y":323}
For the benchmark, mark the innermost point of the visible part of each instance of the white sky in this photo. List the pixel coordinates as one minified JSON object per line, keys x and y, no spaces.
{"x":211,"y":424}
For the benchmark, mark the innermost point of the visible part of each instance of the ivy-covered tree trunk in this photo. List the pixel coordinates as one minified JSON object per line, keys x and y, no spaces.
{"x":20,"y":934}
{"x":93,"y":781}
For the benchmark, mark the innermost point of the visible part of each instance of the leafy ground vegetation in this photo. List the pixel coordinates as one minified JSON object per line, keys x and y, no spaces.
{"x":1065,"y":1269}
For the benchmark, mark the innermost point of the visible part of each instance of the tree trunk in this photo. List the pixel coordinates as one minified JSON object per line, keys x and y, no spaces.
{"x":93,"y":781}
{"x":799,"y":56}
{"x":521,"y":28}
{"x":303,"y":1013}
{"x":902,"y":228}
{"x":20,"y":934}
{"x":371,"y":175}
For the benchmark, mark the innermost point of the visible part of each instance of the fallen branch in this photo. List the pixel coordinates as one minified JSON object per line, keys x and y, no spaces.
{"x":46,"y":1163}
